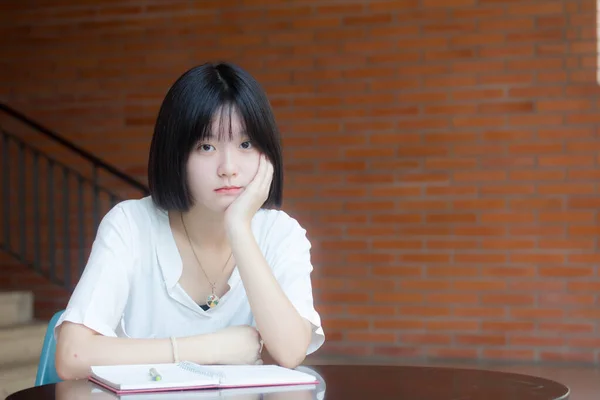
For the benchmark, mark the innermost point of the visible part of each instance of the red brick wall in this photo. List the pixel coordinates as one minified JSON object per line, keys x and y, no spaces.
{"x":443,"y":154}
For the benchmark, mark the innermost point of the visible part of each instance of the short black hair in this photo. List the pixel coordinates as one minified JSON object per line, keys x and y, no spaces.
{"x":185,"y":118}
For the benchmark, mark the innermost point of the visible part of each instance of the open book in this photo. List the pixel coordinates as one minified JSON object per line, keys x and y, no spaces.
{"x":190,"y":376}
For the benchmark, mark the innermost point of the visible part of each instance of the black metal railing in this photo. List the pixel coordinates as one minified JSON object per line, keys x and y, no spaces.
{"x":51,"y":208}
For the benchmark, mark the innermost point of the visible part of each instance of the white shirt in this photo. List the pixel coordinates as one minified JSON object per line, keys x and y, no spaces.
{"x":130,"y":288}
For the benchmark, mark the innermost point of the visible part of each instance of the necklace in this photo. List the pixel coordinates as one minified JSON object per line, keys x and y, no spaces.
{"x":212,"y":299}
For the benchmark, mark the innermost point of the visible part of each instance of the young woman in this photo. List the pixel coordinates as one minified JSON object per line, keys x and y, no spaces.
{"x":206,"y":268}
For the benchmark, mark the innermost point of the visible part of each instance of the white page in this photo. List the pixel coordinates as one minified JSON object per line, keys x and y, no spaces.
{"x":130,"y":377}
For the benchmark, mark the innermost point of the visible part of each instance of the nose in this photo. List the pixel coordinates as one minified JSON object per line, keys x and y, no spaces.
{"x":227,"y":164}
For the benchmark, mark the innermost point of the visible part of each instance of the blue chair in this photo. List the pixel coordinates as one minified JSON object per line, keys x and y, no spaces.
{"x":46,"y":372}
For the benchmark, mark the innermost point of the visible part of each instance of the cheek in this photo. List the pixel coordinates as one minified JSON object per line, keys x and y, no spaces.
{"x":196,"y":172}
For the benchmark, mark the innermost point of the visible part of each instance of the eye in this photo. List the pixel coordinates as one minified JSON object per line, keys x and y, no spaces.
{"x":206,"y":147}
{"x":246,"y":145}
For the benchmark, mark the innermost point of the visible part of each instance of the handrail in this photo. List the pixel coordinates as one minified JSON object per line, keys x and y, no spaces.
{"x":70,"y":145}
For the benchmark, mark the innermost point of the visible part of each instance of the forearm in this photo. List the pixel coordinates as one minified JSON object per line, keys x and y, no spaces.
{"x":78,"y":349}
{"x":285,"y":332}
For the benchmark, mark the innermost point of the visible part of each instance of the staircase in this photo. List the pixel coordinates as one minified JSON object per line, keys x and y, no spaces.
{"x":21,"y":340}
{"x":53,"y":195}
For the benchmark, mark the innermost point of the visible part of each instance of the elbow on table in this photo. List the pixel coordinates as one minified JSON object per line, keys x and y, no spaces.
{"x":69,"y":359}
{"x":66,"y":368}
{"x":292,"y":362}
{"x":290,"y":358}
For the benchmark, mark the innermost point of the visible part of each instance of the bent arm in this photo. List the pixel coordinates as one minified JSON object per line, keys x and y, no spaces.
{"x":285,"y":332}
{"x":78,"y":348}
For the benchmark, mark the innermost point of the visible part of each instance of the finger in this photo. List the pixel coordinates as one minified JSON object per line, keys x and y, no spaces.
{"x":259,"y":180}
{"x":259,"y":362}
{"x":258,"y":173}
{"x":259,"y":176}
{"x":264,"y":169}
{"x":268,"y":175}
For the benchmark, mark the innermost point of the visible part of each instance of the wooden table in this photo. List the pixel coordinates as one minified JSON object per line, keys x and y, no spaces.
{"x":347,"y":382}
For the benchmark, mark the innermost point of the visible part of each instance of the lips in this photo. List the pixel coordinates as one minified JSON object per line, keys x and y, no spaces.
{"x":228,"y":190}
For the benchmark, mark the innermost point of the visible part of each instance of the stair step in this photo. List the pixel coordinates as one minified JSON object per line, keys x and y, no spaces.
{"x":16,"y":308}
{"x":22,"y":343}
{"x":16,"y":377}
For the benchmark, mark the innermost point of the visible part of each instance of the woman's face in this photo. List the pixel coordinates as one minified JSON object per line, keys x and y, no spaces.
{"x":220,"y":167}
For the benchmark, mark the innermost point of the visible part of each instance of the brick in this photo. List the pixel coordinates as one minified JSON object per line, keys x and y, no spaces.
{"x":371,"y":205}
{"x":566,"y":327}
{"x":452,"y":271}
{"x":424,"y":311}
{"x":566,"y":216}
{"x":477,"y":121}
{"x":508,"y":299}
{"x":508,"y":271}
{"x":566,"y":244}
{"x":509,"y":354}
{"x":507,"y":326}
{"x":480,"y":312}
{"x":507,"y":79}
{"x":451,"y":191}
{"x":396,"y":271}
{"x":426,"y":339}
{"x":537,"y":341}
{"x":536,"y":92}
{"x":553,"y":299}
{"x":425,"y":258}
{"x":398,"y":298}
{"x":508,"y":107}
{"x":396,"y":191}
{"x":345,"y":297}
{"x":428,"y":284}
{"x":347,"y":324}
{"x":568,"y":272}
{"x":479,"y":258}
{"x":507,"y":190}
{"x":478,"y":39}
{"x":537,"y":175}
{"x":537,"y":313}
{"x":343,"y":166}
{"x":372,"y":310}
{"x":451,"y":218}
{"x":550,"y":7}
{"x":508,"y":244}
{"x":508,"y":161}
{"x":371,"y":179}
{"x":584,"y":258}
{"x":398,"y":324}
{"x":488,"y":340}
{"x":478,"y":285}
{"x":533,"y":203}
{"x":453,"y":325}
{"x":477,"y":94}
{"x":371,"y":337}
{"x":397,"y":218}
{"x":453,"y":298}
{"x":479,"y":231}
{"x":509,"y":50}
{"x":479,"y":176}
{"x":573,"y":188}
{"x":422,"y":151}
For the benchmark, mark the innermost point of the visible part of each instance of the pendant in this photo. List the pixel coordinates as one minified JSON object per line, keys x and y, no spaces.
{"x":212,"y":300}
